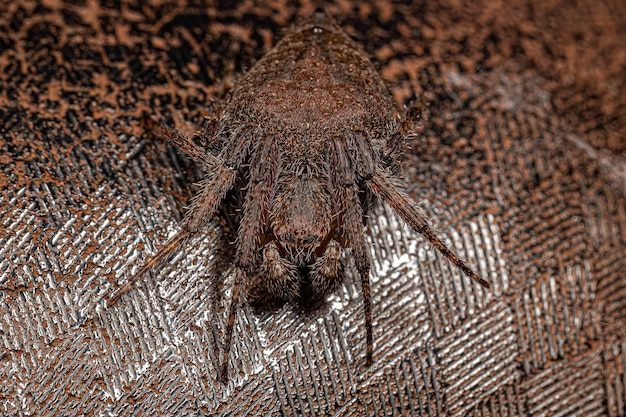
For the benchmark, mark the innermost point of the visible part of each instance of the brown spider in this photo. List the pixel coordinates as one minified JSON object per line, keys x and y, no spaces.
{"x":312,"y":134}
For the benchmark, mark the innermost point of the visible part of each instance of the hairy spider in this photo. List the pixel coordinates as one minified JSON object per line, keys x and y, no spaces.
{"x":312,"y":133}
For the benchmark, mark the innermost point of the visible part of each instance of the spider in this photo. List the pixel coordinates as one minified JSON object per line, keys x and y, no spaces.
{"x":312,"y":134}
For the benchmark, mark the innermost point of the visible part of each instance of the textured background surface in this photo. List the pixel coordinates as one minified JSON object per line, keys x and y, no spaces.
{"x":522,"y":166}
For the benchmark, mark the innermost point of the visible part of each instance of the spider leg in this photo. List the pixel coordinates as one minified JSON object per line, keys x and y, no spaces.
{"x":405,"y":207}
{"x":239,"y":285}
{"x":164,"y":254}
{"x":219,"y":181}
{"x":350,"y":219}
{"x":263,"y":172}
{"x":206,"y":160}
{"x":328,"y":270}
{"x":209,"y":136}
{"x":393,"y":148}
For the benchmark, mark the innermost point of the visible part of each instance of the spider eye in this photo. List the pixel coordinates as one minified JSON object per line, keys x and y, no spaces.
{"x":287,"y":237}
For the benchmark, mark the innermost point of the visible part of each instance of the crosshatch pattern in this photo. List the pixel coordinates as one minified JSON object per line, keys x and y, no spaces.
{"x":520,"y":163}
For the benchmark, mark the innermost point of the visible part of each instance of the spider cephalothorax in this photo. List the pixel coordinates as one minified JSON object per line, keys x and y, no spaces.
{"x":312,"y":133}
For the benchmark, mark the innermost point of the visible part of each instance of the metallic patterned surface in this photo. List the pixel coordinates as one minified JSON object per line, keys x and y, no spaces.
{"x":521,"y":165}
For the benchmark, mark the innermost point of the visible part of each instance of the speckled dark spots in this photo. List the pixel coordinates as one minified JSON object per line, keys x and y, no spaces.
{"x":42,"y":35}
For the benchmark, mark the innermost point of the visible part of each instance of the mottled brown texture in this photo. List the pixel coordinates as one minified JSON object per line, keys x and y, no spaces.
{"x":520,"y":160}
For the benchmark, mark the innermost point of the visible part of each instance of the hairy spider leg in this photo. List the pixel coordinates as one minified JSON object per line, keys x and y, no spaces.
{"x":209,"y":136}
{"x":203,"y":207}
{"x":263,"y":172}
{"x":220,"y":179}
{"x":393,"y":148}
{"x":343,"y":181}
{"x":381,"y":185}
{"x":164,"y":254}
{"x":406,"y":208}
{"x":207,"y":161}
